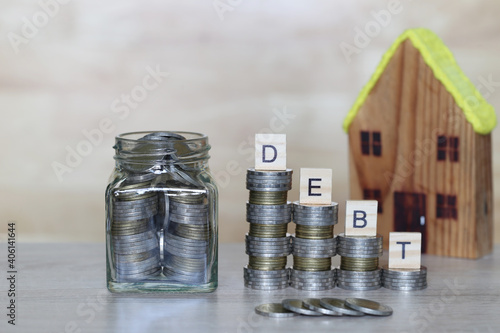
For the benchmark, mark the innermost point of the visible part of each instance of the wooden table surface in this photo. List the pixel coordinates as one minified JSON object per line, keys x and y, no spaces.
{"x":61,"y":288}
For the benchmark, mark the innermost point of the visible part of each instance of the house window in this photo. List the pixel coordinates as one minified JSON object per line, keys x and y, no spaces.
{"x":374,"y":141}
{"x":377,"y":144}
{"x":446,"y":206}
{"x":369,"y":194}
{"x":447,"y":146}
{"x":365,"y":142}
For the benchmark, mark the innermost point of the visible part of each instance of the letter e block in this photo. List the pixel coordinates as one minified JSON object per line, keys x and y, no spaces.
{"x":270,"y":151}
{"x":361,"y":218}
{"x":315,"y":186}
{"x":405,"y":249}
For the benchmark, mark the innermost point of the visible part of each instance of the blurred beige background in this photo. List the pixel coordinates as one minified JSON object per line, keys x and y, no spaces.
{"x":235,"y":68}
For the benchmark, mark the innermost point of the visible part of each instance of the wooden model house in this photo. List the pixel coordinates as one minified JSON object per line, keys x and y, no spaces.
{"x":420,"y":144}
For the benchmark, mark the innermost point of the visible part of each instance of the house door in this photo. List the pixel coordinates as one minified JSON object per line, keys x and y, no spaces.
{"x":409,"y":214}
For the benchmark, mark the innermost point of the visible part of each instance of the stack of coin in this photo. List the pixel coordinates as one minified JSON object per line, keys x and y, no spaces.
{"x":269,"y":187}
{"x":136,"y":252}
{"x":404,"y":279}
{"x":267,"y":242}
{"x":313,"y":246}
{"x":359,"y":262}
{"x":186,"y":238}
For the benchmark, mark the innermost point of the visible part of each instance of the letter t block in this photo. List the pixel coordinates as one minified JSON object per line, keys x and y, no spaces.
{"x":270,"y":152}
{"x":361,"y":218}
{"x":405,"y":250}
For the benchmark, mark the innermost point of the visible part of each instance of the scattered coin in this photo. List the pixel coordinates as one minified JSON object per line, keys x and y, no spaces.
{"x":275,"y":310}
{"x":369,"y":307}
{"x":315,"y":305}
{"x":296,"y":306}
{"x":338,"y":305}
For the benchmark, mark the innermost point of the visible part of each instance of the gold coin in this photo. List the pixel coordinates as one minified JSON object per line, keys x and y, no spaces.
{"x":268,"y":197}
{"x":267,"y":230}
{"x":266,"y":264}
{"x":359,"y":264}
{"x":312,"y":264}
{"x":311,"y":232}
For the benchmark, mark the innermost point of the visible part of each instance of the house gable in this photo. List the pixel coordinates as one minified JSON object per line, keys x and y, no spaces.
{"x":479,"y":113}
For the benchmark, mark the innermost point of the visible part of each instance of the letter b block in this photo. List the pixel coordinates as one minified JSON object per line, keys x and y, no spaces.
{"x":270,"y":151}
{"x":361,"y":218}
{"x":405,"y":249}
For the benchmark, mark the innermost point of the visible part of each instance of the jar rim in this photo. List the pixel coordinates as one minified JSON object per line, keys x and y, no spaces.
{"x":195,"y":136}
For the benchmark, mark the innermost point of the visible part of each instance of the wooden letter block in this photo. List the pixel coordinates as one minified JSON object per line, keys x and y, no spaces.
{"x":270,"y":151}
{"x":361,"y":218}
{"x":315,"y":186}
{"x":405,"y":250}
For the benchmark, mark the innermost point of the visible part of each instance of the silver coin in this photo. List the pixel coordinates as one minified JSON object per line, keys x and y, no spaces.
{"x":369,"y":307}
{"x":327,"y":273}
{"x":274,"y":310}
{"x":193,"y":246}
{"x":253,"y":278}
{"x":342,"y":272}
{"x":132,"y":217}
{"x":269,"y":188}
{"x":274,"y":182}
{"x":358,"y":288}
{"x":318,"y":255}
{"x":313,"y":249}
{"x":130,"y":203}
{"x":173,"y":237}
{"x":189,"y":219}
{"x":259,"y":173}
{"x":312,"y":277}
{"x":422,"y":270}
{"x":269,"y":208}
{"x":314,"y":284}
{"x":135,"y":209}
{"x":405,"y":280}
{"x":402,"y":287}
{"x":267,"y":254}
{"x":267,"y":221}
{"x":185,"y":254}
{"x":338,"y":305}
{"x":268,"y":247}
{"x":296,"y":306}
{"x":262,"y":283}
{"x":248,"y":270}
{"x":267,"y":288}
{"x":262,"y":242}
{"x":307,"y":288}
{"x":315,"y":305}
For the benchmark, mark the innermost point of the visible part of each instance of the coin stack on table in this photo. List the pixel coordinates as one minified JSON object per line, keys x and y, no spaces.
{"x":313,"y":246}
{"x":136,"y":251}
{"x":359,"y":262}
{"x":186,"y":238}
{"x":404,"y":279}
{"x":267,"y":242}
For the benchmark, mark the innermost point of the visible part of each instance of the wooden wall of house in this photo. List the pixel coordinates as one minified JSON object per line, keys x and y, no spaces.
{"x":484,"y":194}
{"x":380,"y":112}
{"x":413,"y":110}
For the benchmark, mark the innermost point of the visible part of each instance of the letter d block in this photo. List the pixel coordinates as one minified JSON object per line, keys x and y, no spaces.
{"x":405,"y":249}
{"x":361,"y":218}
{"x":315,"y":186}
{"x":270,"y":151}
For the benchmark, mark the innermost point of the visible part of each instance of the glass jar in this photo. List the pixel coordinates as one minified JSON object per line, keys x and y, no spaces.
{"x":161,"y":214}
